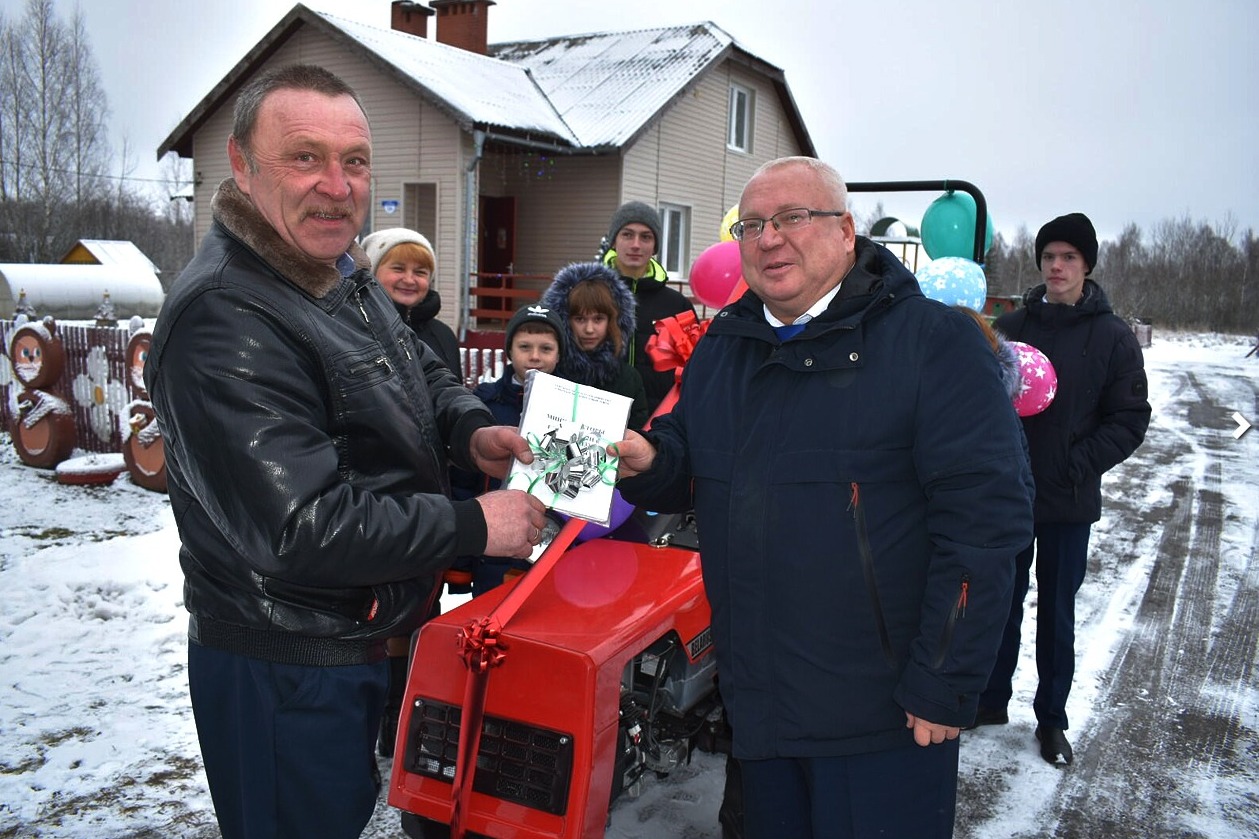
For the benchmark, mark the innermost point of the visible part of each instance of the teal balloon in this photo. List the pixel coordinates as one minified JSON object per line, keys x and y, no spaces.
{"x":948,"y":227}
{"x":954,"y":281}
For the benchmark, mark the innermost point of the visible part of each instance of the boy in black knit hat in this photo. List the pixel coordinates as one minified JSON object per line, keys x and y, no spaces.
{"x":534,"y":341}
{"x":1097,"y":419}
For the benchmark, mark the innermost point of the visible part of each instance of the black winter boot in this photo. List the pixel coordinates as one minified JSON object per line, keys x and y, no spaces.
{"x":1053,"y":744}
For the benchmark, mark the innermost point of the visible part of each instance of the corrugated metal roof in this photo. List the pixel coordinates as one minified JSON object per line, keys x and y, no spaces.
{"x":607,"y":86}
{"x":479,"y":89}
{"x":593,"y":91}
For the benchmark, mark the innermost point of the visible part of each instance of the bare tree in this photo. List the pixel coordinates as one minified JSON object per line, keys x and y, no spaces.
{"x":53,"y":115}
{"x":177,"y":185}
{"x":1123,"y":264}
{"x":88,"y":109}
{"x":865,"y":221}
{"x":15,"y":108}
{"x":1011,"y":266}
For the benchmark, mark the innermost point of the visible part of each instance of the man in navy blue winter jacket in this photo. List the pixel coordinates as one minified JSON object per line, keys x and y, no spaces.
{"x":861,"y":489}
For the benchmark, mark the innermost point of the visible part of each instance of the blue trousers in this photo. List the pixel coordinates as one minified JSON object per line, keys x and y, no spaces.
{"x":289,"y":751}
{"x":1061,"y":553}
{"x":906,"y":792}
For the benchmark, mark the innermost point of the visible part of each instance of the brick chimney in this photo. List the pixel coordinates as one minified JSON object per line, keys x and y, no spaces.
{"x":410,"y":17}
{"x":463,"y":23}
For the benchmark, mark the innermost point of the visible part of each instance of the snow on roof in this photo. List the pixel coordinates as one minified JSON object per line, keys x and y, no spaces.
{"x":481,"y":90}
{"x":116,"y":252}
{"x":595,"y":90}
{"x":608,"y":85}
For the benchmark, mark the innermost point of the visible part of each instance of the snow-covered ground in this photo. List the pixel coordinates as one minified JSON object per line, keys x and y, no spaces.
{"x":97,"y":738}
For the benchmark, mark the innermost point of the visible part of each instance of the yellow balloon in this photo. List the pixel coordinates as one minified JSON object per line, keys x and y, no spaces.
{"x":731,"y":216}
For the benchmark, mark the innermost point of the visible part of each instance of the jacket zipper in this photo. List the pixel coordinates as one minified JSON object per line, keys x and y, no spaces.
{"x":377,"y":362}
{"x":959,"y":611}
{"x":867,"y":568}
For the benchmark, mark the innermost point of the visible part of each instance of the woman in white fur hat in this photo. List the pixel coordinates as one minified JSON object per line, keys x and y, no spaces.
{"x":404,"y":263}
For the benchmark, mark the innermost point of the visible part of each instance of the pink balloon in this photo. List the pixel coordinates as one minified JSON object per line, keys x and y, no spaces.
{"x":1039,"y":380}
{"x":715,"y":273}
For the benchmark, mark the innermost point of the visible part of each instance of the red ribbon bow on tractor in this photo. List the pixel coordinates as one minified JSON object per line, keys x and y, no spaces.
{"x":670,"y":348}
{"x":675,"y":339}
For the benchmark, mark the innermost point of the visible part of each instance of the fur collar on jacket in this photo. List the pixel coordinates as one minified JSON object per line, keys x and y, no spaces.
{"x":1011,"y":376}
{"x":232,"y":209}
{"x":600,"y":366}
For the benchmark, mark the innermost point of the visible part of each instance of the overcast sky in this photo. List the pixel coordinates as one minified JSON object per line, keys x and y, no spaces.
{"x":1128,"y":110}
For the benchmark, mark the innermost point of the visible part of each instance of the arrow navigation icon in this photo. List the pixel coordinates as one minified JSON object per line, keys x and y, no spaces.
{"x":1243,"y":425}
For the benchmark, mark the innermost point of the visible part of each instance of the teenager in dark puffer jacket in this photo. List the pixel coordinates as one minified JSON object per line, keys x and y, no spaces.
{"x":1097,"y":419}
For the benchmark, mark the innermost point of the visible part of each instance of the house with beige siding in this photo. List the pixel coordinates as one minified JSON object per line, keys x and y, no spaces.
{"x":512,"y":157}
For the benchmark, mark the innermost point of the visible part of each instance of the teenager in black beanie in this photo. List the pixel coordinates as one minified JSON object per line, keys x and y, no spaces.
{"x":1096,"y":420}
{"x":1076,"y":230}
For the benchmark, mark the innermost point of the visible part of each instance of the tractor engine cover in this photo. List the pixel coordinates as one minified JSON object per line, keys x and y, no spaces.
{"x":608,"y":668}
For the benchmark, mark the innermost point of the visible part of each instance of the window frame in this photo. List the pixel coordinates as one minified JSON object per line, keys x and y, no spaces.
{"x":675,"y":219}
{"x":741,"y":105}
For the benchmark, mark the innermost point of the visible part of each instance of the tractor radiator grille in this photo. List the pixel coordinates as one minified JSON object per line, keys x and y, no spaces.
{"x":516,"y":762}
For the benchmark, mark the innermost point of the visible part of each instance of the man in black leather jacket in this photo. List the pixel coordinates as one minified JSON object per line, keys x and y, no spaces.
{"x":307,"y":434}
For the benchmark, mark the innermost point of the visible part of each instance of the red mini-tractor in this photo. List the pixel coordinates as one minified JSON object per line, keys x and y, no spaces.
{"x":601,"y":671}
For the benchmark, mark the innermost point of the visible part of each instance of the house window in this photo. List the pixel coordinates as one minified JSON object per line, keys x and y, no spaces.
{"x":739,"y":135}
{"x":419,"y":208}
{"x":676,"y":236}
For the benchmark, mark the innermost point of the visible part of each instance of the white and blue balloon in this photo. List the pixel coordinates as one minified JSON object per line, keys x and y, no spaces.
{"x":954,"y":281}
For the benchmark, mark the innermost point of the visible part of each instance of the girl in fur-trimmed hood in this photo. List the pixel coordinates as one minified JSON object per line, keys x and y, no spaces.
{"x":598,"y":314}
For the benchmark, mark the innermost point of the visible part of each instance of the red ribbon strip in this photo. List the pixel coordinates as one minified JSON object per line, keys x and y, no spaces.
{"x":481,"y":649}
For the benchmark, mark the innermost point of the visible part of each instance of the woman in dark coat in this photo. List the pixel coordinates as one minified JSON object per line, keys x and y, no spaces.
{"x":404,"y":263}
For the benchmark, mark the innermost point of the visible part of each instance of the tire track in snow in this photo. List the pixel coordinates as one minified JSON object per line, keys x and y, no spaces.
{"x":1163,"y":714}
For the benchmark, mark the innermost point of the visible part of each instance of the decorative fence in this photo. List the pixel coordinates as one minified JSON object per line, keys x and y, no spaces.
{"x":94,"y":382}
{"x":480,"y":364}
{"x":89,"y":394}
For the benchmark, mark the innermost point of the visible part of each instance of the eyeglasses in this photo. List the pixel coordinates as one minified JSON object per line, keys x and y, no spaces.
{"x":750,"y":229}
